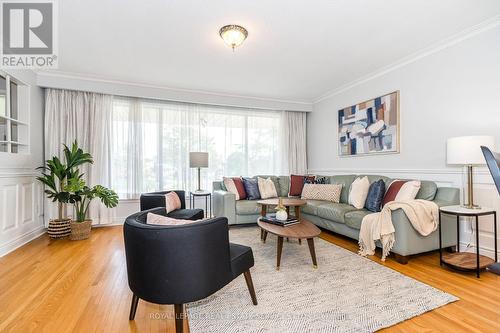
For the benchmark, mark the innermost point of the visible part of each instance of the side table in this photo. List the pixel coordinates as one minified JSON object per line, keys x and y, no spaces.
{"x":208,"y":200}
{"x":465,"y":260}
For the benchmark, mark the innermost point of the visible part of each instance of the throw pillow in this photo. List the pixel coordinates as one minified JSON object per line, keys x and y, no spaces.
{"x":297,"y":183}
{"x":326,"y":192}
{"x":392,"y":191}
{"x":408,"y":191}
{"x":235,"y":186}
{"x":375,"y":196}
{"x":359,"y":192}
{"x":252,"y":188}
{"x":157,"y":219}
{"x":172,"y":202}
{"x":266,"y":188}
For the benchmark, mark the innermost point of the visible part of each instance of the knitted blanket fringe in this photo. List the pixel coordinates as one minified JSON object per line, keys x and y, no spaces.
{"x":422,"y":214}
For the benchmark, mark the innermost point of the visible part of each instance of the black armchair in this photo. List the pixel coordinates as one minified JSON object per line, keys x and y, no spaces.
{"x":178,"y":264}
{"x":157,"y":199}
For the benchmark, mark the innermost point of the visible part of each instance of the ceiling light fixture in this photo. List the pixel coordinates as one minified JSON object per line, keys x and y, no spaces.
{"x":233,"y":35}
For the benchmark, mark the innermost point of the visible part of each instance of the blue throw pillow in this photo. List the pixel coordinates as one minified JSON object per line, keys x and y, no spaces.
{"x":375,"y":196}
{"x":252,"y":188}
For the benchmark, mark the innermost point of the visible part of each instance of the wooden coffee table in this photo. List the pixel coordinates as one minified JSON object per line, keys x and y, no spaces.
{"x":287,"y":202}
{"x":304,"y":229}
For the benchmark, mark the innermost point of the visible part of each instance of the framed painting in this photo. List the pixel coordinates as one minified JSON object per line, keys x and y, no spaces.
{"x":370,"y":127}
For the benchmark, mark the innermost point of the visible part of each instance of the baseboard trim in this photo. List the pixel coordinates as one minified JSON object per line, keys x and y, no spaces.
{"x":21,"y":240}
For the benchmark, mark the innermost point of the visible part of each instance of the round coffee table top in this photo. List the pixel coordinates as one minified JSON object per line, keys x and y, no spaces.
{"x":304,"y":229}
{"x":285,"y":201}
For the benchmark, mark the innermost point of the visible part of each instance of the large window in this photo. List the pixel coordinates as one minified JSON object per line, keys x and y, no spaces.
{"x":13,"y":129}
{"x":151,"y":142}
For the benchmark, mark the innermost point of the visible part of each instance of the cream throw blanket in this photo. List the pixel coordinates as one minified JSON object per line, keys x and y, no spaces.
{"x":423,"y":215}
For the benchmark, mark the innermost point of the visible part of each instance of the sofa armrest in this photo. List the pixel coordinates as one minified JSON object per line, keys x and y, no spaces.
{"x":447,"y":196}
{"x":225,"y":205}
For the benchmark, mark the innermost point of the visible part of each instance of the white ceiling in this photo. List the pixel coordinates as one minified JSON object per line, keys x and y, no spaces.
{"x":296,"y":50}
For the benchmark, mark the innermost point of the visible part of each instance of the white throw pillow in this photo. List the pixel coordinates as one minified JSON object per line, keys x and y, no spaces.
{"x":359,"y":192}
{"x":408,"y":191}
{"x":326,"y":192}
{"x":266,"y":188}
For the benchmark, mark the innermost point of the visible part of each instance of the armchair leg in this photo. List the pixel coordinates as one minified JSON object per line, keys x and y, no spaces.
{"x":179,"y":318}
{"x":133,"y":307}
{"x":248,"y":279}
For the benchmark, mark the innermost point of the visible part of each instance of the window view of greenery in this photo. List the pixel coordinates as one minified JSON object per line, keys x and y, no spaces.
{"x":151,"y":143}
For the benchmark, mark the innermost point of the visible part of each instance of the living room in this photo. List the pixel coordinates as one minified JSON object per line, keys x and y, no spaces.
{"x":258,"y":166}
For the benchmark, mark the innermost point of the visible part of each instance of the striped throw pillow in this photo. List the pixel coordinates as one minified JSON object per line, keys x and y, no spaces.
{"x":235,"y":186}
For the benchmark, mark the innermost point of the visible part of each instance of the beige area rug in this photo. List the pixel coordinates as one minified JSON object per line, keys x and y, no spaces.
{"x":346,"y":293}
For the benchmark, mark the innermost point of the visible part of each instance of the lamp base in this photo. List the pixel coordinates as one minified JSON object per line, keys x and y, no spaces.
{"x":471,"y":206}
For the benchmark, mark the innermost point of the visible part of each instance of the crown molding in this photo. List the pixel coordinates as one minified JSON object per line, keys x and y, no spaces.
{"x":434,"y":48}
{"x":67,"y":80}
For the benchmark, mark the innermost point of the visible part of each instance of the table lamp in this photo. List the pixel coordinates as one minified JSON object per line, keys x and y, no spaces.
{"x":198,"y":160}
{"x":466,"y":150}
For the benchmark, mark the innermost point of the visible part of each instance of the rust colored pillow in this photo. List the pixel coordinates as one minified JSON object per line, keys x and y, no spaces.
{"x":393,"y":191}
{"x":235,"y":186}
{"x":297,"y":184}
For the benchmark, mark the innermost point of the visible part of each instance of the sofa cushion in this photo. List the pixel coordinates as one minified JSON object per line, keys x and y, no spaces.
{"x":311,"y":206}
{"x":326,"y":192}
{"x":187,"y":214}
{"x":334,"y":211}
{"x":427,"y":190}
{"x":247,"y":207}
{"x":284,"y":185}
{"x":273,"y":178}
{"x":346,"y":181}
{"x":267,"y":188}
{"x":375,"y":196}
{"x":252,"y":188}
{"x":297,"y":184}
{"x":359,"y":192}
{"x":353,"y":219}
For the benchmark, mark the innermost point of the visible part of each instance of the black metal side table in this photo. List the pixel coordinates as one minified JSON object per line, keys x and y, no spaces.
{"x":208,"y":200}
{"x":467,"y":261}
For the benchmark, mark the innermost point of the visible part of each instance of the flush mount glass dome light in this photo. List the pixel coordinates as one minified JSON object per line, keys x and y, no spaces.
{"x":233,"y":35}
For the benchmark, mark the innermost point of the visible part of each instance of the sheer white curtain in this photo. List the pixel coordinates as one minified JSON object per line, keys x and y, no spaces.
{"x":151,"y":141}
{"x":85,"y":117}
{"x":293,"y":142}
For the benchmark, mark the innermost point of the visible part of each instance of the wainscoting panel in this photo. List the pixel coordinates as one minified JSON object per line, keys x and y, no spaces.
{"x":485,"y":194}
{"x":21,"y":210}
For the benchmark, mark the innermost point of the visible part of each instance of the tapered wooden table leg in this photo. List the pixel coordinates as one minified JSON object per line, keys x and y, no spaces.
{"x":310,"y":242}
{"x":265,"y":237}
{"x":280,"y":249}
{"x":297,"y":212}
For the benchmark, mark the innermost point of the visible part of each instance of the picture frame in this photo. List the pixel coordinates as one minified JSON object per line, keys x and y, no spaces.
{"x":371,"y":127}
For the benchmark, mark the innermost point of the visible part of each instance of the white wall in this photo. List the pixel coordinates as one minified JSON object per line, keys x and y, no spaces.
{"x":21,"y":196}
{"x":451,"y":92}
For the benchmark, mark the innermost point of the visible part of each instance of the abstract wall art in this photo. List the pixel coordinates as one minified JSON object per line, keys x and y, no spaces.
{"x":370,"y":127}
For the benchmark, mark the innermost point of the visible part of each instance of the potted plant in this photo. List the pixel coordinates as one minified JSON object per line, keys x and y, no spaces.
{"x":80,"y":197}
{"x":55,"y":175}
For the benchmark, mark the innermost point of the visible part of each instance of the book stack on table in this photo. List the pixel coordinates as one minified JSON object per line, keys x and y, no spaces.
{"x":271,"y":218}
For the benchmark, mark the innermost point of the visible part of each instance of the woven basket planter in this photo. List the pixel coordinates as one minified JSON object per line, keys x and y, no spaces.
{"x":80,"y":230}
{"x":59,"y":228}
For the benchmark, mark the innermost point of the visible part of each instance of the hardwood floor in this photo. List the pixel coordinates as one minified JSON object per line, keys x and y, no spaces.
{"x":81,"y":286}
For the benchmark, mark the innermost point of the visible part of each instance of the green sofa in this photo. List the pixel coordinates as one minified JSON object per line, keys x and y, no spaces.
{"x":343,"y":218}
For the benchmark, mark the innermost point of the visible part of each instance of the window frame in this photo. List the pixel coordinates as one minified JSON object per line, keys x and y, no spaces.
{"x":21,"y":146}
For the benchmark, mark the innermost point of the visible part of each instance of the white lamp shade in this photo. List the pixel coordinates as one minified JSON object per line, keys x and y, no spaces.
{"x":198,"y":160}
{"x":466,"y":150}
